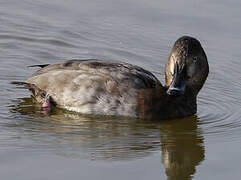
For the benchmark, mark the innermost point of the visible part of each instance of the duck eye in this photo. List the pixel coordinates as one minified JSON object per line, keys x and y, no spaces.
{"x":195,"y":59}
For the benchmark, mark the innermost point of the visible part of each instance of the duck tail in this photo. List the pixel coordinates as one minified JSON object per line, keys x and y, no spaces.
{"x":39,"y":65}
{"x":37,"y":93}
{"x":19,"y":83}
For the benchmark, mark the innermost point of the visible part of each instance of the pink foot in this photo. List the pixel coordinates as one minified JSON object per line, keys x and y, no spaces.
{"x":46,"y":104}
{"x":46,"y":108}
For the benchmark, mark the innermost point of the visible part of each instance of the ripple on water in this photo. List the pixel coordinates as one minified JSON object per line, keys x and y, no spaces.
{"x":219,"y":109}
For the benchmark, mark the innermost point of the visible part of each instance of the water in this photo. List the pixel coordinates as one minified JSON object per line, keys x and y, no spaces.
{"x":65,"y":145}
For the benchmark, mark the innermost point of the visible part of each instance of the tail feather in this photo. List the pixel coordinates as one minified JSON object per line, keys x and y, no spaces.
{"x":37,"y":93}
{"x":19,"y":83}
{"x":39,"y":65}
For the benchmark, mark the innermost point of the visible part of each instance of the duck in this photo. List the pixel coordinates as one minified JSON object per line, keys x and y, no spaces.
{"x":107,"y":88}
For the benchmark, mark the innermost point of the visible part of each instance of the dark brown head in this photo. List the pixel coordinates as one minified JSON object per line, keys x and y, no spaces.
{"x":187,"y":67}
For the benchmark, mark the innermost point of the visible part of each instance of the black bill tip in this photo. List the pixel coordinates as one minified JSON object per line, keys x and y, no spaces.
{"x":175,"y":91}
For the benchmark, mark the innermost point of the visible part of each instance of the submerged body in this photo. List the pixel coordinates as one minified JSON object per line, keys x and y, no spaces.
{"x":121,"y":89}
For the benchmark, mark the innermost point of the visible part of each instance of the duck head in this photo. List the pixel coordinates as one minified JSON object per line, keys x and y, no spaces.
{"x":187,"y":67}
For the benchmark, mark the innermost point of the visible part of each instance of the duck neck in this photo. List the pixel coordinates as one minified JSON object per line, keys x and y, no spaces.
{"x":180,"y":106}
{"x":157,"y":104}
{"x":185,"y":105}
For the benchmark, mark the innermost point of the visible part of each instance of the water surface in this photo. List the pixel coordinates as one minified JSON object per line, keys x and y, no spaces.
{"x":67,"y":145}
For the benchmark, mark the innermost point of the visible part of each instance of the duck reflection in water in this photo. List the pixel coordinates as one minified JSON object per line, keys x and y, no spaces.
{"x":108,"y":138}
{"x":182,"y":147}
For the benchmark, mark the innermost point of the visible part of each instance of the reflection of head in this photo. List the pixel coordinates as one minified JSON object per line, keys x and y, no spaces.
{"x":182,"y":147}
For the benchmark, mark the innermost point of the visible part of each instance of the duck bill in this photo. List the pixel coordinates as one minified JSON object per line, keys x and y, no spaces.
{"x":179,"y":82}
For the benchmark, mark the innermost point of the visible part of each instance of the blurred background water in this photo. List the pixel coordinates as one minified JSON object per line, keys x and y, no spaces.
{"x":65,"y":145}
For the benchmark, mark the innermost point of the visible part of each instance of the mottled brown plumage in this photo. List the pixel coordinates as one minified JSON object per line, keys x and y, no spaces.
{"x":121,"y":89}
